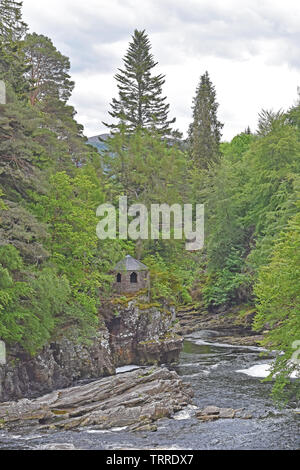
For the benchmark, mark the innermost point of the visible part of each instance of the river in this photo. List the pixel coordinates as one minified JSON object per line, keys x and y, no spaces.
{"x":213,"y":371}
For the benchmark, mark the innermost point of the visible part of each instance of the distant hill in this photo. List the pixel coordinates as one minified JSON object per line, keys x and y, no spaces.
{"x":96,"y":142}
{"x":101,"y":145}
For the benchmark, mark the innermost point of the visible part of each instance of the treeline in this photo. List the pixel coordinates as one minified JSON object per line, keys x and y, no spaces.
{"x":53,"y":268}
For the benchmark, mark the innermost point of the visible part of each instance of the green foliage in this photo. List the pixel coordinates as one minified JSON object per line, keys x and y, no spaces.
{"x":140,"y":104}
{"x":251,"y":205}
{"x":235,"y":149}
{"x":167,"y":281}
{"x":205,"y":130}
{"x":227,"y":285}
{"x":69,"y":210}
{"x":278,"y":299}
{"x":145,"y":168}
{"x":48,"y":72}
{"x":12,"y":31}
{"x":29,"y":301}
{"x":12,"y":27}
{"x":54,"y":269}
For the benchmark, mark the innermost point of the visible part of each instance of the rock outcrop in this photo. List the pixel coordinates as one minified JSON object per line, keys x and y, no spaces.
{"x":135,"y":332}
{"x":231,"y":326}
{"x":141,"y":333}
{"x":58,"y":365}
{"x":134,"y":399}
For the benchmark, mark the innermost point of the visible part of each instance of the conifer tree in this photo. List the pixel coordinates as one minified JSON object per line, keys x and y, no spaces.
{"x":205,"y":130}
{"x":12,"y":31}
{"x":12,"y":27}
{"x":140,"y":104}
{"x":49,"y":69}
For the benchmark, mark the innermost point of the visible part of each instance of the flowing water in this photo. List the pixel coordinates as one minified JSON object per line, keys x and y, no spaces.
{"x":213,"y":371}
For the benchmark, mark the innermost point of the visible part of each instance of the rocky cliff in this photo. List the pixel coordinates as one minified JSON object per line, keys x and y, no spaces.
{"x":134,"y":333}
{"x":134,"y":399}
{"x":141,"y":333}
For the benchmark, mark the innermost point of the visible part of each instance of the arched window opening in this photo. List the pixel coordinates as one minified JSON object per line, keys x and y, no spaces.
{"x":133,"y":278}
{"x":119,"y":277}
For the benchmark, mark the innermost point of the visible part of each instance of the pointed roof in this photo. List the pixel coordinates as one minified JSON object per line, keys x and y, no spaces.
{"x":130,"y":264}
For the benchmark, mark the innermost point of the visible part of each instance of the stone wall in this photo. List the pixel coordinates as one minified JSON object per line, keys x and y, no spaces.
{"x":126,"y":285}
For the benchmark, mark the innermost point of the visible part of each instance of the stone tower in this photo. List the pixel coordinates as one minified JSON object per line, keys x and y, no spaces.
{"x":131,"y":276}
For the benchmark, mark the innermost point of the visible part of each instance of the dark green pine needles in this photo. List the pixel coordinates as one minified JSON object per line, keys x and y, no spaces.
{"x":205,"y":130}
{"x":140,"y":104}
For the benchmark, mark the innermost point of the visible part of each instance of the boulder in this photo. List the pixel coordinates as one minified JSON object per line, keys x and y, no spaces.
{"x":211,"y":413}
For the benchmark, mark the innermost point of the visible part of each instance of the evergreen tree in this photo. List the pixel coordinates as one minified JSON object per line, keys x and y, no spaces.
{"x":12,"y":30}
{"x":266,"y":120}
{"x":49,"y":69}
{"x":205,"y":130}
{"x":12,"y":27}
{"x":140,"y":104}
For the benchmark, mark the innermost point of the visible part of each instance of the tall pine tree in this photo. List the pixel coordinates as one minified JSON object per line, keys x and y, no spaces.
{"x":49,"y":69}
{"x":12,"y":28}
{"x":205,"y":130}
{"x":140,"y":104}
{"x":12,"y":31}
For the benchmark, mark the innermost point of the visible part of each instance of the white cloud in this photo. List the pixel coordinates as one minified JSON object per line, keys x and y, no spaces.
{"x":249,"y":47}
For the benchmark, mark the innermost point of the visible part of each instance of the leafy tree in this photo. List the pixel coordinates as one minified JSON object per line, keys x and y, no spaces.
{"x":140,"y":104}
{"x":238,"y":146}
{"x":30,"y":301}
{"x":251,"y":197}
{"x":69,"y":210}
{"x":168,"y":281}
{"x":205,"y":130}
{"x":278,"y":298}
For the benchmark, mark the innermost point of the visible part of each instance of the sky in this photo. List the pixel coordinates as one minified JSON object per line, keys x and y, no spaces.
{"x":250,"y":48}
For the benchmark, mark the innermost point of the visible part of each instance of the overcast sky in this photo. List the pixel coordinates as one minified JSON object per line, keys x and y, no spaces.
{"x":249,"y":48}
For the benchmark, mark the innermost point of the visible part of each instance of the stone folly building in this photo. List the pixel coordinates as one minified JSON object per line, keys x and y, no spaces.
{"x":131,"y":276}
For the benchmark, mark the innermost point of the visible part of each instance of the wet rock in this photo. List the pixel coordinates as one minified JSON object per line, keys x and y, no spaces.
{"x":241,"y":414}
{"x":212,"y":413}
{"x":134,"y":399}
{"x":211,"y":410}
{"x":227,"y":413}
{"x":228,"y":326}
{"x":146,"y":427}
{"x":58,"y":446}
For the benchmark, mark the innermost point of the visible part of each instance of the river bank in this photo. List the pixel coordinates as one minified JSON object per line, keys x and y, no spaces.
{"x":211,"y":398}
{"x":233,"y":326}
{"x":213,"y":370}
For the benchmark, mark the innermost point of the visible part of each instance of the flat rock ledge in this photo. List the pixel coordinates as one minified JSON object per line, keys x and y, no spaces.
{"x":212,"y":413}
{"x":134,"y":399}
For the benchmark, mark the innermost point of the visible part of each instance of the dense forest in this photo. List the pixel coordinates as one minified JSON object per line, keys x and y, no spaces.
{"x":54,"y":271}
